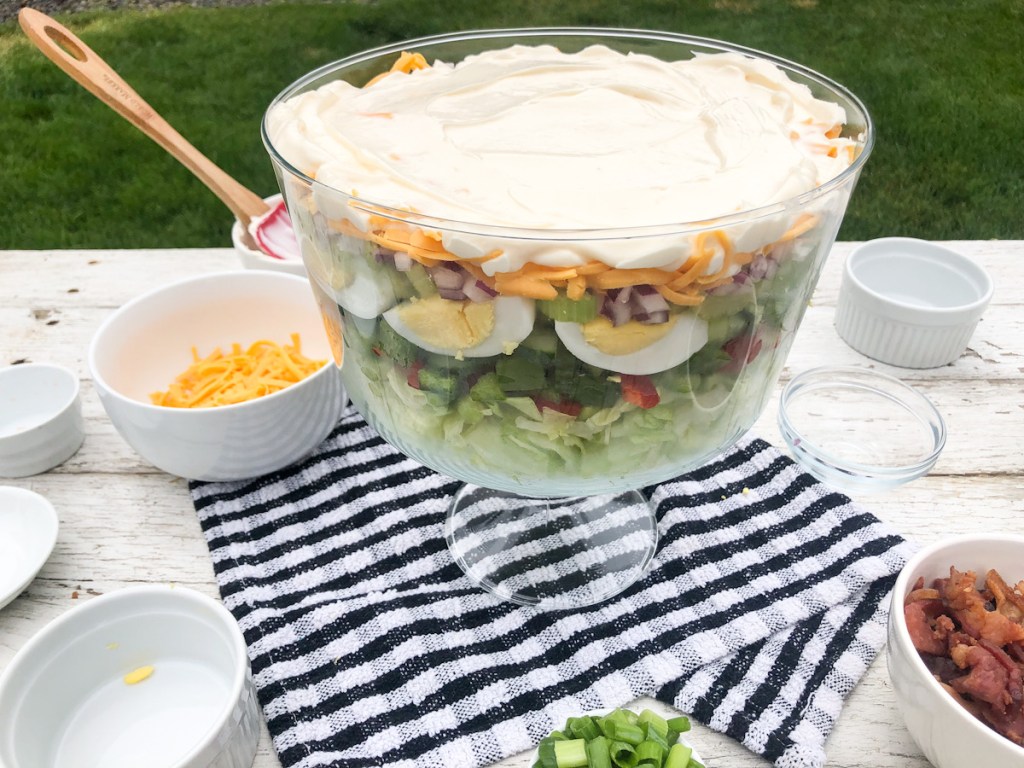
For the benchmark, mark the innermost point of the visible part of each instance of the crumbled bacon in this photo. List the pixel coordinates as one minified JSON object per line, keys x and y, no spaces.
{"x":972,"y":641}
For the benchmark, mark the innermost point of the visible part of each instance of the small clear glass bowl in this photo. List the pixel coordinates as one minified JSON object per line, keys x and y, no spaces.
{"x":860,"y":430}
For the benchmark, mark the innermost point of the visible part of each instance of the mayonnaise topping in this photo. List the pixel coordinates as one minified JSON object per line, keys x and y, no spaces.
{"x":530,"y":137}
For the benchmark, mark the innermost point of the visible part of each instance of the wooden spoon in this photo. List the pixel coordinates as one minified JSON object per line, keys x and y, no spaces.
{"x":79,"y":61}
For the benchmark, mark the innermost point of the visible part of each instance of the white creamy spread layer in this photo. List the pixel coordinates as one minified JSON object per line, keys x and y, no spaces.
{"x":530,"y":137}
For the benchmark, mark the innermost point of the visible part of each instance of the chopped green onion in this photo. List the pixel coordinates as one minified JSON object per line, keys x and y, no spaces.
{"x":679,"y":724}
{"x":627,"y":732}
{"x":599,"y":753}
{"x":620,"y":739}
{"x":654,"y":722}
{"x":571,"y":754}
{"x":546,"y":754}
{"x":623,"y":755}
{"x":584,"y":728}
{"x":652,"y":734}
{"x":678,"y":756}
{"x":650,"y":753}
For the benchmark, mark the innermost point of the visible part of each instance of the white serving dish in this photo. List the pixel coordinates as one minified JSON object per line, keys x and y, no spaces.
{"x":65,"y":702}
{"x":28,"y":533}
{"x":253,"y":258}
{"x":145,"y":344}
{"x":41,"y":422}
{"x":909,"y":302}
{"x":948,"y":734}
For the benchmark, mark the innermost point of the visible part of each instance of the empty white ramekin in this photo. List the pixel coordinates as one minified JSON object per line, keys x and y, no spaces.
{"x":41,"y":422}
{"x":909,"y":302}
{"x":142,"y":676}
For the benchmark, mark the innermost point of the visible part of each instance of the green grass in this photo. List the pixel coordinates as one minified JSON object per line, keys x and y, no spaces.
{"x":944,"y":82}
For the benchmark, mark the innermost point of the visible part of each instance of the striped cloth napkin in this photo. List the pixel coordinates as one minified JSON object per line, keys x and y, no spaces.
{"x":369,"y":646}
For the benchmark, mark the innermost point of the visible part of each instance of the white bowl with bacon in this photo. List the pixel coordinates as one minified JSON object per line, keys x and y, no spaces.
{"x":146,"y":344}
{"x":980,"y":650}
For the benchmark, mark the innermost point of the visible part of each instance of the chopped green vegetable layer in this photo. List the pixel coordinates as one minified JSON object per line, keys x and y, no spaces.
{"x":620,"y":739}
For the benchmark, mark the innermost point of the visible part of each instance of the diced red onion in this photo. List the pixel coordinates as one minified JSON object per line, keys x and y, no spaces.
{"x":447,"y":278}
{"x":646,"y":290}
{"x":618,"y":313}
{"x":648,"y":303}
{"x":655,"y":318}
{"x":452,"y":294}
{"x":472,"y":291}
{"x":403,"y":261}
{"x":486,"y":288}
{"x":624,"y":294}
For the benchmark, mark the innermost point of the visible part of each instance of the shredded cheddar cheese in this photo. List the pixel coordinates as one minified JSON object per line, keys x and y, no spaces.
{"x":240,"y":375}
{"x":136,"y":676}
{"x":684,"y":286}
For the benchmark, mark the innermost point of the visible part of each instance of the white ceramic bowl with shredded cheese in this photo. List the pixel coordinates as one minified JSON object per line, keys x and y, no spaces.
{"x":154,"y":676}
{"x":143,"y":346}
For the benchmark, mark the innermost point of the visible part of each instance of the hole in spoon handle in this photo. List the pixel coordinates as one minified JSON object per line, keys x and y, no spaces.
{"x":65,"y":43}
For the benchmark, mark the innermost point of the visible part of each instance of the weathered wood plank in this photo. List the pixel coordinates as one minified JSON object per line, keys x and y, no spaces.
{"x":124,"y":523}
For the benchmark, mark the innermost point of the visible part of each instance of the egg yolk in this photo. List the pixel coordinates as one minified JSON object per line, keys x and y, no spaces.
{"x":624,"y":339}
{"x":448,"y":324}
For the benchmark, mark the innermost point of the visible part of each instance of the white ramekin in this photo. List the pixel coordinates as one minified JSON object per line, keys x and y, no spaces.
{"x":41,"y":422}
{"x":65,"y":700}
{"x":253,"y":258}
{"x":909,"y":302}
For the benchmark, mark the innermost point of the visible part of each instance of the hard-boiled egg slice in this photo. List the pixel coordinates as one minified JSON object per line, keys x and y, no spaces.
{"x":464,"y":328}
{"x":359,"y":286}
{"x":633,"y":347}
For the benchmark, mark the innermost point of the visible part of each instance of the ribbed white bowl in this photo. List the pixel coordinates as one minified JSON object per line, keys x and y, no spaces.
{"x":41,"y":422}
{"x":910,"y":303}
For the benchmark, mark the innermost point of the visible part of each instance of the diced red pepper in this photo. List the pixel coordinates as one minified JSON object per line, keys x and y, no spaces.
{"x":412,"y":376}
{"x":639,"y":390}
{"x":568,"y":407}
{"x":741,"y":350}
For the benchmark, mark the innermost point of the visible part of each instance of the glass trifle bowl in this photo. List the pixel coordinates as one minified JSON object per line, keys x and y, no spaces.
{"x":561,"y":265}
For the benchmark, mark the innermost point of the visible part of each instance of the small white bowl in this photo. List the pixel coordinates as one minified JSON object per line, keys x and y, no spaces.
{"x":65,"y":701}
{"x":880,"y":432}
{"x":28,"y":533}
{"x":909,"y":302}
{"x":948,"y":734}
{"x":253,"y":258}
{"x":145,"y":344}
{"x":40,"y":418}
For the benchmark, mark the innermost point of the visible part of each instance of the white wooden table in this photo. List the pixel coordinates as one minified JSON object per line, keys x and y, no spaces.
{"x":124,"y":522}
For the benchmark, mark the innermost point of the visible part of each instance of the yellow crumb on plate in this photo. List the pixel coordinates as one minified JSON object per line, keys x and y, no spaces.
{"x":138,"y":675}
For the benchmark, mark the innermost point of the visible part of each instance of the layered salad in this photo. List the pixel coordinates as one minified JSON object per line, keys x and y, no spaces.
{"x":558,"y":272}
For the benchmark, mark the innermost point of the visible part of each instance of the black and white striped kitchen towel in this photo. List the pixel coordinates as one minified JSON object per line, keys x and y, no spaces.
{"x":369,"y":646}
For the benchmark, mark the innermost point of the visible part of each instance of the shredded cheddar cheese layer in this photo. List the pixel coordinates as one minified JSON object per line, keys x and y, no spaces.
{"x":239,"y":375}
{"x":685,"y":286}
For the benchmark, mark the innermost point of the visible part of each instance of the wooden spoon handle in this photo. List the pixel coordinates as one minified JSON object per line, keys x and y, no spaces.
{"x":79,"y":61}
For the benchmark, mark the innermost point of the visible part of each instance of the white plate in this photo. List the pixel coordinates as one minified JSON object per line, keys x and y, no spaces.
{"x":28,"y":533}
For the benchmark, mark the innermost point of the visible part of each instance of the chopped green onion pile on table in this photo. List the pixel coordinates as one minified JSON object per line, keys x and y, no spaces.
{"x":620,"y":739}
